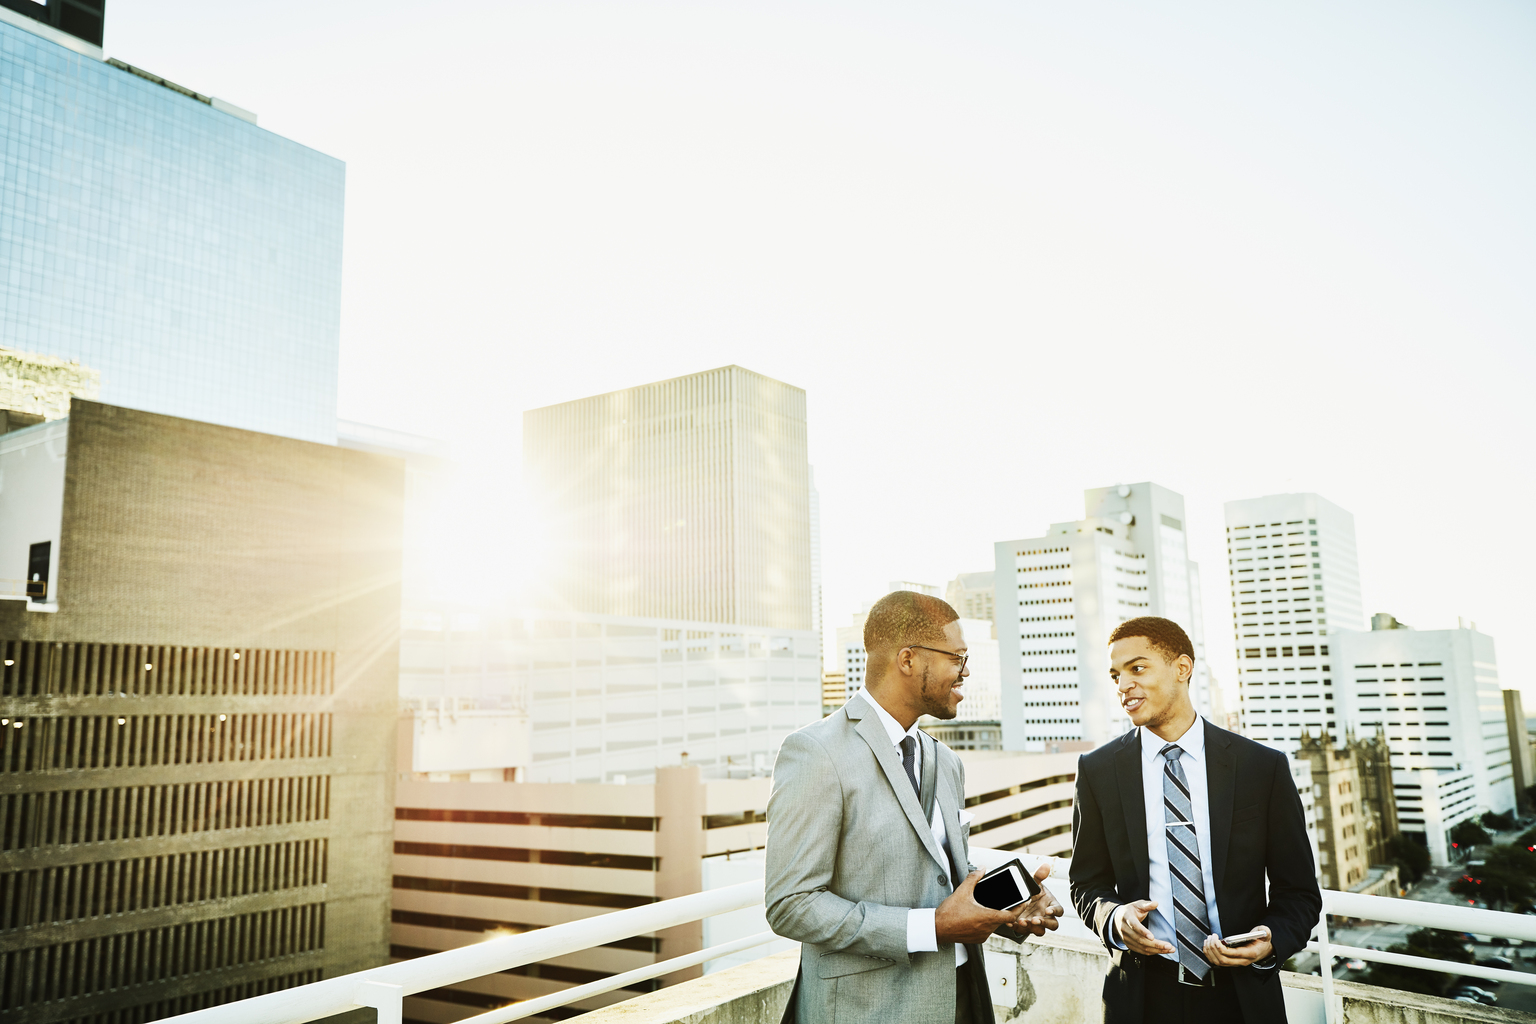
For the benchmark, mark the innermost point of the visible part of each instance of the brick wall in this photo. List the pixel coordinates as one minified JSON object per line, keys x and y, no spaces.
{"x":198,"y":805}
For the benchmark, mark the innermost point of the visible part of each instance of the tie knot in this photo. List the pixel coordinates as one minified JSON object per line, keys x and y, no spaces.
{"x":908,"y":745}
{"x":1171,"y":751}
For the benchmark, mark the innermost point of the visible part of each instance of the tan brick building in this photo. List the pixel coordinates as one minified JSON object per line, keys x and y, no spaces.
{"x":1354,"y":805}
{"x":197,"y":749}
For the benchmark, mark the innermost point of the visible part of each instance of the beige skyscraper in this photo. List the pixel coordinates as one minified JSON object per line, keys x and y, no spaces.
{"x":689,"y":498}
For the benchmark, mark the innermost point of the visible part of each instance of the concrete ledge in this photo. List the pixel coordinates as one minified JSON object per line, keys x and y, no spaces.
{"x":1052,"y":981}
{"x":1372,"y":1004}
{"x":753,"y":993}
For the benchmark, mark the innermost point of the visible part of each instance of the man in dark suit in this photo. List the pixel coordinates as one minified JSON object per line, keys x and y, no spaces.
{"x":1175,"y":826}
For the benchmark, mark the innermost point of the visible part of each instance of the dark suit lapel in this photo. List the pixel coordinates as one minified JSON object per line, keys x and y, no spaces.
{"x":873,"y":733}
{"x":1221,"y":784}
{"x":1133,"y":803}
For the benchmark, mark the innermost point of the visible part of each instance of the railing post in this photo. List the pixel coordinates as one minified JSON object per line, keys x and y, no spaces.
{"x":388,"y":999}
{"x":1325,"y":956}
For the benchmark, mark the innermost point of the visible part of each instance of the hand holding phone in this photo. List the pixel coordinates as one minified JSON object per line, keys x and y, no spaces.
{"x":1013,"y":889}
{"x":1241,"y":950}
{"x":1006,"y":887}
{"x":1245,"y":937}
{"x":962,"y":918}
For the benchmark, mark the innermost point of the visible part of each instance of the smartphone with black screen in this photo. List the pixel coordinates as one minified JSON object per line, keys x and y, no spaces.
{"x":1005,"y":887}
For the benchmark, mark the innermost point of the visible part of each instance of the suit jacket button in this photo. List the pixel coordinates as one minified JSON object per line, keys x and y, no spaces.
{"x":943,"y":880}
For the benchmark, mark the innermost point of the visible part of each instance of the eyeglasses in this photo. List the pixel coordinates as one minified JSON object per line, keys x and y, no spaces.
{"x":963,"y":657}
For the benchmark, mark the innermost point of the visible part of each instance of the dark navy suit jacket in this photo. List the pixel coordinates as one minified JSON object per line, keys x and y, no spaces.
{"x":1258,"y":828}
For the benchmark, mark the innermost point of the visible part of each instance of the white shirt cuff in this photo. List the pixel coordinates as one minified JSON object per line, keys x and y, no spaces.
{"x":1114,"y":927}
{"x":921,"y":934}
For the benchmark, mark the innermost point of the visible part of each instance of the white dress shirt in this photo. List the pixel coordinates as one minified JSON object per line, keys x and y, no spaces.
{"x":922,"y":937}
{"x":1160,"y":890}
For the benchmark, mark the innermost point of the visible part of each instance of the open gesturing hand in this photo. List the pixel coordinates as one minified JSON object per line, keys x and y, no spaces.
{"x":1131,"y":927}
{"x":1041,"y":913}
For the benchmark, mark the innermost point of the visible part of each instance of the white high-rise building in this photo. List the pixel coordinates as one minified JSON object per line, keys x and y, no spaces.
{"x":1294,"y":578}
{"x":541,"y":696}
{"x":1058,"y":597}
{"x":1437,"y":695}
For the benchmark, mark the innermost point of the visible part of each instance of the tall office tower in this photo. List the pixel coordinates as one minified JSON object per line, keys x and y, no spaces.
{"x":1436,"y":694}
{"x":1058,"y":597}
{"x":197,"y":714}
{"x":159,"y":237}
{"x":685,"y":499}
{"x":1295,"y":578}
{"x":674,"y":620}
{"x":971,"y":594}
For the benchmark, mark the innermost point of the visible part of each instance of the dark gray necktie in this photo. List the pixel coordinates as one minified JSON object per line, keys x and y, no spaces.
{"x":1185,"y":878}
{"x":908,"y":758}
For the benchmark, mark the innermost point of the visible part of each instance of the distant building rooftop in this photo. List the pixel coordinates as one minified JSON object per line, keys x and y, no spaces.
{"x":82,"y":19}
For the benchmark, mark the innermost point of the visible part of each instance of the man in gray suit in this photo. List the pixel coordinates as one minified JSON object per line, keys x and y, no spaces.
{"x":868,"y":864}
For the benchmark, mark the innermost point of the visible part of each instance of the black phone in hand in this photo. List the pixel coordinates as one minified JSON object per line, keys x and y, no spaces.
{"x":1005,"y":887}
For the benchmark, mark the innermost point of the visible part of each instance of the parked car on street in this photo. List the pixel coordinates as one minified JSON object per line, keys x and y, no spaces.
{"x":1473,"y":993}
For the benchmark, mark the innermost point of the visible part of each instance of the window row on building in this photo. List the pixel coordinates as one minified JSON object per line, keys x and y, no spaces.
{"x":72,"y":892}
{"x":38,"y":668}
{"x":71,"y":817}
{"x":78,"y":742}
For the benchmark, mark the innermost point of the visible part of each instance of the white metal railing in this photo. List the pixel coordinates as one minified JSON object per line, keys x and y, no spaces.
{"x":1388,"y":909}
{"x":385,"y":988}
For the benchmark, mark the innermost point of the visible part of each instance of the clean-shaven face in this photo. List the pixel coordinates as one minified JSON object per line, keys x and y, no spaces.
{"x":1152,"y":688}
{"x":940,"y":676}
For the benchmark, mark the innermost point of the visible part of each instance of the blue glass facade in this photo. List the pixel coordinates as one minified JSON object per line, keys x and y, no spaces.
{"x":190,"y":256}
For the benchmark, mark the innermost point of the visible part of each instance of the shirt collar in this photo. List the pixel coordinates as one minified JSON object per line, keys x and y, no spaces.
{"x":1192,"y":743}
{"x":893,"y":728}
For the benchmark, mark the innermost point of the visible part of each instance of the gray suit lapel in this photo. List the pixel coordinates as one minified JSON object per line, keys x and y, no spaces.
{"x":873,"y":733}
{"x":949,"y":806}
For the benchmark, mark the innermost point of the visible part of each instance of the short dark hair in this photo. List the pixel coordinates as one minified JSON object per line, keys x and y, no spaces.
{"x":902,"y":618}
{"x":1164,"y":634}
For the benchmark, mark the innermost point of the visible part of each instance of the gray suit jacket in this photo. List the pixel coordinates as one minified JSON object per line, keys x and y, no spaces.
{"x":848,"y":854}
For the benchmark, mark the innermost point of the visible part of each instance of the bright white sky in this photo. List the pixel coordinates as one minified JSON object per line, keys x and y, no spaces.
{"x":1011,"y":250}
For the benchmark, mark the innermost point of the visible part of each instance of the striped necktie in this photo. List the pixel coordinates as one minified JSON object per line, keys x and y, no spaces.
{"x":1185,"y":878}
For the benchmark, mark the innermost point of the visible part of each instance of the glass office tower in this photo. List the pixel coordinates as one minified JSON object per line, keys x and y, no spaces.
{"x":162,"y":238}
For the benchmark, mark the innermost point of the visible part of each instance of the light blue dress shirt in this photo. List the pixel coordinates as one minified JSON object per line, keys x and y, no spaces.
{"x":1160,"y":891}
